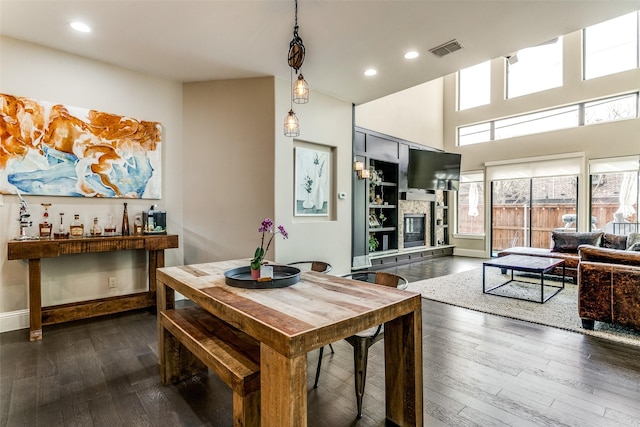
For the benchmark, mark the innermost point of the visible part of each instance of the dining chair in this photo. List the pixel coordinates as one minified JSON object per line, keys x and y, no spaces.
{"x":365,"y":339}
{"x":319,"y":266}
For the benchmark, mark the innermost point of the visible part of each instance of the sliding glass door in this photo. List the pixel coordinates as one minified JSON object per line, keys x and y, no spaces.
{"x":525,"y":211}
{"x":615,"y":187}
{"x":510,"y":202}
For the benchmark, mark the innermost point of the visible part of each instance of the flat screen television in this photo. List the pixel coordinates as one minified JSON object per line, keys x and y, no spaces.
{"x":433,"y":170}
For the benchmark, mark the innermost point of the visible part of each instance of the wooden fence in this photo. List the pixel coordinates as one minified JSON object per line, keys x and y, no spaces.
{"x":511,"y":223}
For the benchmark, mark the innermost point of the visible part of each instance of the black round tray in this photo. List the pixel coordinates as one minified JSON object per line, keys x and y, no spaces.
{"x":283,"y":276}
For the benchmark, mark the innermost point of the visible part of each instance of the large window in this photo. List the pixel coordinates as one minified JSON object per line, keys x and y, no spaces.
{"x":610,"y":109}
{"x":544,"y":121}
{"x":474,"y":86}
{"x":470,"y":206}
{"x":581,"y":114}
{"x":611,"y":47}
{"x":532,"y":197}
{"x":614,"y":194}
{"x":535,"y":69}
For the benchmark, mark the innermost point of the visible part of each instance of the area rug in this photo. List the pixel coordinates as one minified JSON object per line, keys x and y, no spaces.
{"x":561,"y":311}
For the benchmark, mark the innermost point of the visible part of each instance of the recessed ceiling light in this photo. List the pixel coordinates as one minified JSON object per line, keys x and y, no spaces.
{"x":370,"y":72}
{"x":411,"y":55}
{"x":79,"y":26}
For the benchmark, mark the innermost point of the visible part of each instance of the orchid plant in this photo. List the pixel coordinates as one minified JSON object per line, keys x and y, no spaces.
{"x":266,"y":228}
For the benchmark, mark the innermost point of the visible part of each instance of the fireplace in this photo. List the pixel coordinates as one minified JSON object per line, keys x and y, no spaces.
{"x":414,"y":230}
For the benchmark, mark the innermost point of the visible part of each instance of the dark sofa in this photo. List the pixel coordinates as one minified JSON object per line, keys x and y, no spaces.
{"x":565,"y":245}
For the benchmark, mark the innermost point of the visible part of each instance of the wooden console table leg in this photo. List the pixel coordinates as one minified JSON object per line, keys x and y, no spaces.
{"x":35,"y":300}
{"x":156,"y":260}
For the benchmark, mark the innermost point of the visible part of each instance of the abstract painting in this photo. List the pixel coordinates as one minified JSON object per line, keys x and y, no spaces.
{"x":58,"y":150}
{"x":312,"y":182}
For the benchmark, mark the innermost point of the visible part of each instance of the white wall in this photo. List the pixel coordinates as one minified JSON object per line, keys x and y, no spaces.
{"x":408,"y":115}
{"x":603,"y":140}
{"x":414,"y":114}
{"x":238,"y":168}
{"x":48,"y":75}
{"x":325,"y":123}
{"x":228,"y":167}
{"x":224,"y":170}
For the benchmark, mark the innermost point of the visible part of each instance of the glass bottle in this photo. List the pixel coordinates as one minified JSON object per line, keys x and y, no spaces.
{"x":76,"y":228}
{"x":95,"y":230}
{"x":45,"y":225}
{"x":62,"y":230}
{"x":125,"y":221}
{"x":110,"y":227}
{"x":137,"y":226}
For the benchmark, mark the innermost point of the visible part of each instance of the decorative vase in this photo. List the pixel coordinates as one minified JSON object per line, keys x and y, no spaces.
{"x":255,"y":274}
{"x":318,"y":196}
{"x":307,"y":204}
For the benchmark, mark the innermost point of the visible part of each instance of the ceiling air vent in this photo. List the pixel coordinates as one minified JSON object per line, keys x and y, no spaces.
{"x":446,"y":48}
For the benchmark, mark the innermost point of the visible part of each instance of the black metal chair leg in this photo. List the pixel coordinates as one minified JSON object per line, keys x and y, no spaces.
{"x":360,"y":356}
{"x":315,"y":384}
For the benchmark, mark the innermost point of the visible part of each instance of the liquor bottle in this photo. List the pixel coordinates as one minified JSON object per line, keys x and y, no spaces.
{"x":110,"y":227}
{"x":76,"y":228}
{"x":125,"y":221}
{"x":95,"y":230}
{"x":45,"y":225}
{"x":137,"y":226}
{"x":62,"y":230}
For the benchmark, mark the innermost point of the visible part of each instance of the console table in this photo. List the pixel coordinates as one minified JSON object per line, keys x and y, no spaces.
{"x":34,"y":250}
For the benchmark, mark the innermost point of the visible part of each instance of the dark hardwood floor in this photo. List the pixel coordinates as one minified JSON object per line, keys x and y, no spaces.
{"x":479,"y":370}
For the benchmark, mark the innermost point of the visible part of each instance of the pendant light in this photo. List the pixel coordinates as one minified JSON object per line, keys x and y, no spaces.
{"x":299,"y":89}
{"x":291,"y":124}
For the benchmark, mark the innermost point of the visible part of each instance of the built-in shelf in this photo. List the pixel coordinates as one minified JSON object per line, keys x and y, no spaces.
{"x":384,"y":260}
{"x":382,"y":191}
{"x":377,"y":229}
{"x":374,"y":206}
{"x":441,"y":219}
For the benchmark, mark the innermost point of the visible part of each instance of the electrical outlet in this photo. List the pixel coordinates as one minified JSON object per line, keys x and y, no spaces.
{"x":113,"y":282}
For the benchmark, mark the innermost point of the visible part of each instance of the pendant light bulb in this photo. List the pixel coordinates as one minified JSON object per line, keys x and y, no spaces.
{"x":291,"y":125}
{"x":300,"y":90}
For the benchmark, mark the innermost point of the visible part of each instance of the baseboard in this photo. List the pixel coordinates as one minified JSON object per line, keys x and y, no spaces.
{"x":19,"y":319}
{"x":472,"y":253}
{"x":14,"y":320}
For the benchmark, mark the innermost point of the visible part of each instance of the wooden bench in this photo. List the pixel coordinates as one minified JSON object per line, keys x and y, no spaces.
{"x":194,"y":339}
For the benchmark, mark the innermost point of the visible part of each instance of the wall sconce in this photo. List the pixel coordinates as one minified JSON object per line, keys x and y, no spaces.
{"x":359,"y":168}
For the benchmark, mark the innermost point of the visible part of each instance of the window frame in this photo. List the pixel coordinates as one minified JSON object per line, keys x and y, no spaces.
{"x":471,"y":177}
{"x":536,"y":69}
{"x":585,"y":54}
{"x":460,"y":87}
{"x":580,"y":106}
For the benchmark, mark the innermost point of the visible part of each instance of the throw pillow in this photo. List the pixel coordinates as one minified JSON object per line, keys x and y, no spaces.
{"x":614,"y":241}
{"x":635,"y":247}
{"x":632,"y":239}
{"x":569,"y":242}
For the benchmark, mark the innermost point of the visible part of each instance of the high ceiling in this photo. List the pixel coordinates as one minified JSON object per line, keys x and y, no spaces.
{"x":215,"y":39}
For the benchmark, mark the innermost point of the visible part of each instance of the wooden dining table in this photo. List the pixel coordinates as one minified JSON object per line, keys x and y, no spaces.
{"x":291,"y":321}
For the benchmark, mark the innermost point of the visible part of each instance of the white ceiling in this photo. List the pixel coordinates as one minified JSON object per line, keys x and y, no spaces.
{"x":215,"y":39}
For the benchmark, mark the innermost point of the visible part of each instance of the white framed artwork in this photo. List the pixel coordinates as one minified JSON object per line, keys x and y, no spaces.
{"x":312,"y":176}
